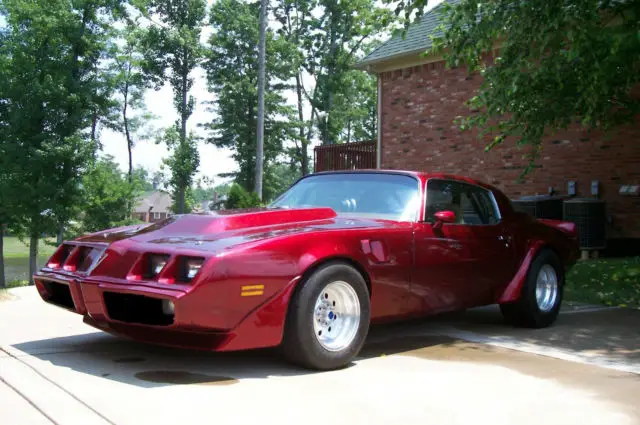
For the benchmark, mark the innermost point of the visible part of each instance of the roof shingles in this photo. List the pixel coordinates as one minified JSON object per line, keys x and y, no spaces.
{"x":415,"y":41}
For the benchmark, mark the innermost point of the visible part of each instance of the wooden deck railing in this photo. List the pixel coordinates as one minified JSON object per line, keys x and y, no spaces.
{"x":346,"y":156}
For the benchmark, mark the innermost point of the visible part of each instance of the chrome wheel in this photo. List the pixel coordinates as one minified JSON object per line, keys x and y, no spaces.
{"x":546,"y":288}
{"x":336,"y":316}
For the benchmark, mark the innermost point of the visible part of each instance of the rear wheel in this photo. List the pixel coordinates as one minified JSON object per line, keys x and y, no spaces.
{"x":328,"y":318}
{"x":541,"y":296}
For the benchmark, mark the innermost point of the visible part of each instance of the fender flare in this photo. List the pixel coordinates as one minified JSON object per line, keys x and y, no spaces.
{"x":264,"y":326}
{"x":514,"y":288}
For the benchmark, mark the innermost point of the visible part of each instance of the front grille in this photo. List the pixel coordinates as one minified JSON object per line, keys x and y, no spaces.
{"x":59,"y":294}
{"x":136,"y":309}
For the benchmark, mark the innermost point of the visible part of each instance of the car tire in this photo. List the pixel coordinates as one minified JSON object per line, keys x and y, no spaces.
{"x":333,"y":300}
{"x":541,"y":297}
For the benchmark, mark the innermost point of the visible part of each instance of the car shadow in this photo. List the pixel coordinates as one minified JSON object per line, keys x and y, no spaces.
{"x":612,"y":333}
{"x":109,"y":357}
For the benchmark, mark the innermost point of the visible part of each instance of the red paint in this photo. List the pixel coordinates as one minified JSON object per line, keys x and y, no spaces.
{"x":512,"y":291}
{"x":445,"y":216}
{"x":413,"y":268}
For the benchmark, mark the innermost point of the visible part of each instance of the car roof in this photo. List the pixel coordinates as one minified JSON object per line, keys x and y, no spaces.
{"x":419,"y":174}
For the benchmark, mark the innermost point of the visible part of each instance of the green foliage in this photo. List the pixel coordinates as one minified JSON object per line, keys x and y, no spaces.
{"x":183,"y":164}
{"x":340,"y":34}
{"x":144,"y":182}
{"x":327,"y":44}
{"x":128,"y":81}
{"x":232,"y":72}
{"x":279,"y":178}
{"x":239,"y":197}
{"x":559,"y":63}
{"x":49,"y":88}
{"x":107,"y":197}
{"x":172,"y":50}
{"x":355,"y":109}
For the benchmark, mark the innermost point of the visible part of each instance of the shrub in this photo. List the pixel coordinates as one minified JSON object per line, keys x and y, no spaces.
{"x":239,"y":197}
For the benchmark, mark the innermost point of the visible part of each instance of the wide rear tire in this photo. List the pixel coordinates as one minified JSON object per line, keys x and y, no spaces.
{"x":541,"y":297}
{"x":328,"y":318}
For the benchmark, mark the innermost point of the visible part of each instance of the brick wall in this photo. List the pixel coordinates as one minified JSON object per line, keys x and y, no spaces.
{"x":419,"y":104}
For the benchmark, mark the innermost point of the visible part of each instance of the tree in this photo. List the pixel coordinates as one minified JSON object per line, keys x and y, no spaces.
{"x":183,"y":164}
{"x":49,"y":87}
{"x":338,"y":37}
{"x":296,"y":24}
{"x":8,"y":208}
{"x":355,"y":110}
{"x":333,"y":100}
{"x":172,"y":51}
{"x":107,"y":196}
{"x":145,"y":182}
{"x":557,"y":63}
{"x":232,"y":73}
{"x":239,"y":197}
{"x":261,"y":88}
{"x":130,"y":83}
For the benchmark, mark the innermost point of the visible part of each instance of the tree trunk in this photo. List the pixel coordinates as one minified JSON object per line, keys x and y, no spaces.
{"x":60,"y":237}
{"x":261,"y":89}
{"x":330,"y":76}
{"x":94,"y":126}
{"x":3,"y":282}
{"x":304,"y":160}
{"x":181,"y":189}
{"x":33,"y":257}
{"x":125,"y":120}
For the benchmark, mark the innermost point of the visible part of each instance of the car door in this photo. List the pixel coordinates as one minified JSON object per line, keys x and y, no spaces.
{"x":463,"y":263}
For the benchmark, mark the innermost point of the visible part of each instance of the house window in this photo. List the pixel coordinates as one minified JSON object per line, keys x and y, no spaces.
{"x":157,"y":216}
{"x":473,"y":205}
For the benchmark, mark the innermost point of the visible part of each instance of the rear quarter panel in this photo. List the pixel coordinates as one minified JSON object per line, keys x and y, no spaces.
{"x":530,"y":236}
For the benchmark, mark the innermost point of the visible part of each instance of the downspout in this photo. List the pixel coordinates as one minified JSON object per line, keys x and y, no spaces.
{"x":379,"y":141}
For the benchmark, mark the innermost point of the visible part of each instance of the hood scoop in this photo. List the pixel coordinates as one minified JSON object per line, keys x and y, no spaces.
{"x":216,"y":222}
{"x":243,"y":219}
{"x":203,"y":224}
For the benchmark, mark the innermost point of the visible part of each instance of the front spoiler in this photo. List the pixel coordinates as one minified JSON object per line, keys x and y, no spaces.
{"x":260,"y":328}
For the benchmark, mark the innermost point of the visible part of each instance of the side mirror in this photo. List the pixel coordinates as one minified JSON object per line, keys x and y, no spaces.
{"x":444,"y":217}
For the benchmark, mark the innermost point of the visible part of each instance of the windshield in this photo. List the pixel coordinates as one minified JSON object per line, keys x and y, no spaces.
{"x":372,"y":195}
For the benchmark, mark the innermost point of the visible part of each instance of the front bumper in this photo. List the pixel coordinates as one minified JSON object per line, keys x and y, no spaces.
{"x":135,"y":311}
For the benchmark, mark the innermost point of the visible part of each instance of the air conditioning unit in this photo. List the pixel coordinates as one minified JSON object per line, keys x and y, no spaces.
{"x":589,"y":215}
{"x":541,"y":206}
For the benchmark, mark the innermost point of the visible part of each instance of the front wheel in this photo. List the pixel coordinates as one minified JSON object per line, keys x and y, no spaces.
{"x":328,"y":318}
{"x":541,"y":296}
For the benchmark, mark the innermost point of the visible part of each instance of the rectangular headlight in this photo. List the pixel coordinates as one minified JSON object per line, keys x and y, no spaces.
{"x":190,"y":268}
{"x":155,"y":264}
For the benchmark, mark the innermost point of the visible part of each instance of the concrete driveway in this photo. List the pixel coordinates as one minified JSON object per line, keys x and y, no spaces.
{"x":454,"y":369}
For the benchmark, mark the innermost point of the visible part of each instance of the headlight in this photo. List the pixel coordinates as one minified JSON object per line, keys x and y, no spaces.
{"x":190,"y":268}
{"x":156,"y":264}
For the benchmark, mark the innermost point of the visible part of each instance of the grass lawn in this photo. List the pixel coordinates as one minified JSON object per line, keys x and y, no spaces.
{"x":16,"y":259}
{"x":610,"y":281}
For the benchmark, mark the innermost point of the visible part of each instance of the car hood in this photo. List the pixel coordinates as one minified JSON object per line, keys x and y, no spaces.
{"x":220,"y":230}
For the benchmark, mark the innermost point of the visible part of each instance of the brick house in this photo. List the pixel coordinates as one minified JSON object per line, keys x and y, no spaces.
{"x":418,"y":98}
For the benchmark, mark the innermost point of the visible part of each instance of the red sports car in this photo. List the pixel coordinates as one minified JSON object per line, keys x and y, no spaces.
{"x":309,"y":273}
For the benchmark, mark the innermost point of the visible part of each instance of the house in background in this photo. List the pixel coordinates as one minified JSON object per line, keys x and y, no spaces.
{"x":418,"y":99}
{"x":153,"y":206}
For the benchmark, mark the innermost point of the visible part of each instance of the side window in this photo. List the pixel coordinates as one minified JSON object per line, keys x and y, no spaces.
{"x":442,"y":195}
{"x":472,"y":205}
